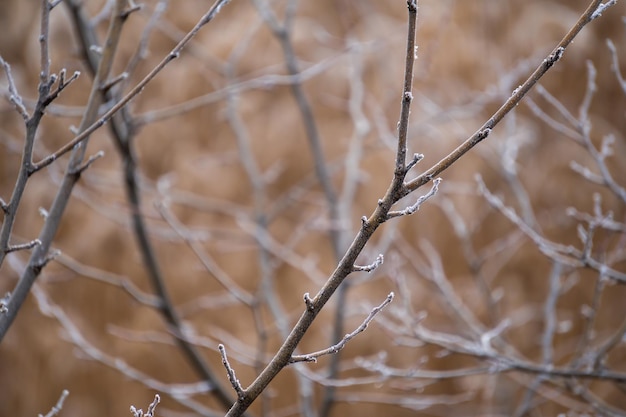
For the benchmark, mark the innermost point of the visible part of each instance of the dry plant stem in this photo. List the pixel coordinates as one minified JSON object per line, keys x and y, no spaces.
{"x":509,"y":105}
{"x":40,"y":255}
{"x":122,"y":134}
{"x":135,"y":91}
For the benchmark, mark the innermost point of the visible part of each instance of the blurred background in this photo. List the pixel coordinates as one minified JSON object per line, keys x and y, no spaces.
{"x":257,"y":152}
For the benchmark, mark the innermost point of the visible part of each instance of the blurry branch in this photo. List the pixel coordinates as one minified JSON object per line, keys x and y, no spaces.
{"x":138,"y":88}
{"x":615,"y":65}
{"x":547,"y":339}
{"x":414,"y":403}
{"x":337,"y":232}
{"x":567,"y":255}
{"x":507,"y":363}
{"x":580,"y":131}
{"x":41,"y":256}
{"x":211,"y":266}
{"x":181,"y":393}
{"x":396,"y":191}
{"x":123,"y":131}
{"x":109,"y":278}
{"x":260,"y":83}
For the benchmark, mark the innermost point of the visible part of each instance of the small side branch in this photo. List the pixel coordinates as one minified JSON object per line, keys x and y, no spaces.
{"x":23,"y":246}
{"x":14,"y":97}
{"x":413,"y":208}
{"x":62,"y":83}
{"x":369,"y":268}
{"x":58,"y":406}
{"x":231,"y":373}
{"x":312,"y":357}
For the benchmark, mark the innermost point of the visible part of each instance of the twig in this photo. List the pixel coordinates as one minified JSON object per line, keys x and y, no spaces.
{"x":14,"y":96}
{"x":231,"y":372}
{"x":615,"y":65}
{"x":555,"y":251}
{"x":413,"y":208}
{"x":369,"y":268}
{"x":58,"y":406}
{"x":312,"y":357}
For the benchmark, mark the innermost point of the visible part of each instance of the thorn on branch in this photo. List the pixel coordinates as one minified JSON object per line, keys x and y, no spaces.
{"x":231,"y":373}
{"x":5,"y":207}
{"x":369,"y":268}
{"x":28,"y":245}
{"x":308,"y":302}
{"x":412,"y":4}
{"x":312,"y":357}
{"x":412,"y":209}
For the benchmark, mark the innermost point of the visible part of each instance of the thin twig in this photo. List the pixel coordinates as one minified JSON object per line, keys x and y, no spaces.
{"x":312,"y":357}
